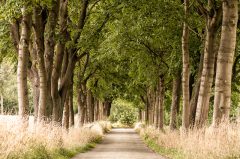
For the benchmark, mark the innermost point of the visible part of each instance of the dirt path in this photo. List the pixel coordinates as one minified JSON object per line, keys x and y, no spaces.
{"x":120,"y":144}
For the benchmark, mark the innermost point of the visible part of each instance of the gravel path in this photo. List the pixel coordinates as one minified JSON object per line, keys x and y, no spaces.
{"x":120,"y":144}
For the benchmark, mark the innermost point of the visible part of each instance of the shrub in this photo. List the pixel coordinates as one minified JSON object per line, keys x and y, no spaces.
{"x":123,"y":112}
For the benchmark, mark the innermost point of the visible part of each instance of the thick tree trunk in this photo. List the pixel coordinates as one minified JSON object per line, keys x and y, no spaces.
{"x":186,"y":69}
{"x":23,"y":58}
{"x":49,"y":44}
{"x":60,"y":48}
{"x":39,"y":40}
{"x":222,"y":99}
{"x":176,"y":90}
{"x":208,"y":68}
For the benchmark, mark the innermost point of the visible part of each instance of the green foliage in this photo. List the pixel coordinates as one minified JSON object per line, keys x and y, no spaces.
{"x":123,"y":112}
{"x":8,"y":88}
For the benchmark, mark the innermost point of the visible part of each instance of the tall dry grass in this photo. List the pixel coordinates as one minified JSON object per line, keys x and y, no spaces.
{"x":206,"y":143}
{"x":17,"y":141}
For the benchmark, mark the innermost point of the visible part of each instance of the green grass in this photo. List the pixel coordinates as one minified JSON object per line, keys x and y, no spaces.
{"x":163,"y":151}
{"x":40,"y":152}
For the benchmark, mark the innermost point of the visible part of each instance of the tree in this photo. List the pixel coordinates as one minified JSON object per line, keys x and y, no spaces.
{"x":186,"y":71}
{"x":222,"y":98}
{"x":23,"y":58}
{"x":213,"y":17}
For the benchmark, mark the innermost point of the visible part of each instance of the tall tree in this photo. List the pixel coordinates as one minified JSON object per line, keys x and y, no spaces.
{"x":38,"y":25}
{"x":23,"y":58}
{"x":222,"y":99}
{"x":186,"y":68}
{"x":212,"y":14}
{"x":176,"y":89}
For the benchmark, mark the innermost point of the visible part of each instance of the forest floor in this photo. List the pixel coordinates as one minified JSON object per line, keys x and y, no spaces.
{"x":120,"y":143}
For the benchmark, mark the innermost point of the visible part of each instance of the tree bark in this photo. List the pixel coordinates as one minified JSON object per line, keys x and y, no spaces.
{"x":195,"y":92}
{"x":71,"y":111}
{"x":34,"y":77}
{"x":161,"y":103}
{"x":96,"y":109}
{"x":176,"y":90}
{"x":90,"y":105}
{"x":208,"y":67}
{"x":58,"y":58}
{"x":2,"y":108}
{"x":140,"y":118}
{"x":156,"y":105}
{"x":222,"y":99}
{"x":23,"y":58}
{"x":107,"y":109}
{"x":34,"y":80}
{"x":39,"y":40}
{"x":186,"y":69}
{"x":81,"y":104}
{"x":66,"y":113}
{"x":49,"y":45}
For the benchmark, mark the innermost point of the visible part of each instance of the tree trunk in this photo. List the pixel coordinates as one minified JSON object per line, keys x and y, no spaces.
{"x":49,"y":44}
{"x":107,"y":109}
{"x":147,"y":105}
{"x":66,"y":113}
{"x":96,"y":110}
{"x":222,"y":100}
{"x":100,"y":110}
{"x":71,"y":111}
{"x":34,"y":78}
{"x":195,"y":92}
{"x":161,"y":103}
{"x":35,"y":88}
{"x":208,"y":68}
{"x":23,"y":58}
{"x":156,"y":105}
{"x":140,"y":118}
{"x":186,"y":69}
{"x":39,"y":40}
{"x":176,"y":90}
{"x":60,"y":48}
{"x":90,"y":105}
{"x":81,"y":104}
{"x":2,"y":108}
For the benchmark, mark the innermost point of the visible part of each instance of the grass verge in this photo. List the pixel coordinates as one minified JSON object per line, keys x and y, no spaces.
{"x":163,"y":151}
{"x":41,"y":152}
{"x":222,"y":142}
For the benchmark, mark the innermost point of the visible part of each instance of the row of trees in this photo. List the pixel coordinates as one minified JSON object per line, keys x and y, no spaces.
{"x":84,"y":54}
{"x":53,"y":43}
{"x":216,"y":62}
